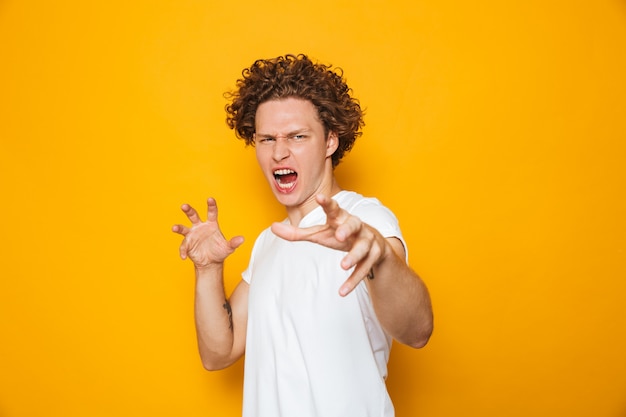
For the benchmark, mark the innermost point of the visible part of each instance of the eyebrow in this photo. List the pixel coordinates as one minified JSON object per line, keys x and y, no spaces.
{"x":289,"y":134}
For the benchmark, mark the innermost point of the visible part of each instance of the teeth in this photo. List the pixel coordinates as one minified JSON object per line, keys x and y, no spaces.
{"x":285,"y":186}
{"x":284,"y":171}
{"x":279,"y":174}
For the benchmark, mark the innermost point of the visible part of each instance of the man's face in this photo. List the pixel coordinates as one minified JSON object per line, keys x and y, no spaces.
{"x":292,"y":151}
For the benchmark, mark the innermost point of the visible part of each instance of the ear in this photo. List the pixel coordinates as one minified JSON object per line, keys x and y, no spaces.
{"x":332,"y":143}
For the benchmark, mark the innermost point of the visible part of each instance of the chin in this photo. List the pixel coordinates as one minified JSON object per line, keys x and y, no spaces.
{"x":287,"y":200}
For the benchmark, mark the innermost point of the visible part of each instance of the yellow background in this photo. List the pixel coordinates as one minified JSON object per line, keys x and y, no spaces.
{"x":495,"y":130}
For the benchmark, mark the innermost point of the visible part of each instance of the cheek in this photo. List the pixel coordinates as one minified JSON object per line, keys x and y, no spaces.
{"x":260,"y":156}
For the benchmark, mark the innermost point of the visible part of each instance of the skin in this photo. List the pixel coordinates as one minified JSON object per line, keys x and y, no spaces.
{"x":291,"y":137}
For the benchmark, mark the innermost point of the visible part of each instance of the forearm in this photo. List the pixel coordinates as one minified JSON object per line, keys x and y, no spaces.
{"x":213,"y":319}
{"x":401,"y":300}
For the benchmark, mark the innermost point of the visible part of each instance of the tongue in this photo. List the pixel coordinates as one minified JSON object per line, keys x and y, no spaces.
{"x":286,"y":179}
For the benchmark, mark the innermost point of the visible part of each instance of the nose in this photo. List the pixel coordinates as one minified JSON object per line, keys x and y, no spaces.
{"x":280,"y":150}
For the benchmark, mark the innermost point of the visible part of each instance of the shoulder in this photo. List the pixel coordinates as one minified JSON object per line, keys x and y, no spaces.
{"x":371,"y":211}
{"x":264,"y":237}
{"x":261,"y":245}
{"x":363,"y":207}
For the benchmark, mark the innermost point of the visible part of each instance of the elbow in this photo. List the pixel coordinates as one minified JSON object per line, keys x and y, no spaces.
{"x":415,"y":333}
{"x":420,"y":342}
{"x":212,"y":364}
{"x":423,"y":333}
{"x":216,"y":359}
{"x":416,"y":340}
{"x":421,"y":338}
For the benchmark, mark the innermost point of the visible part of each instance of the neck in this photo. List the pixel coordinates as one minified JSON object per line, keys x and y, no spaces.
{"x":295,"y":214}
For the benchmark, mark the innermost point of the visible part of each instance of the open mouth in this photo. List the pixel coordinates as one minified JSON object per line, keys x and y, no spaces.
{"x":285,"y":178}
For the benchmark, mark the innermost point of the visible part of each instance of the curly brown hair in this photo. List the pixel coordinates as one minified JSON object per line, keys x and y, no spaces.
{"x":296,"y":76}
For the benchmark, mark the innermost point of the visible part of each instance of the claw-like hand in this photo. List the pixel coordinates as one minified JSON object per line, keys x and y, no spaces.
{"x":364,"y":245}
{"x":204,"y":242}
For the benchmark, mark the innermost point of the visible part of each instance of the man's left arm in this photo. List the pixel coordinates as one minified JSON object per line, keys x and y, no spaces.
{"x":400,"y":297}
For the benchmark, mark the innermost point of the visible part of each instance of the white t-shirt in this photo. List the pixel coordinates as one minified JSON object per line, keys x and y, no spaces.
{"x":309,"y":351}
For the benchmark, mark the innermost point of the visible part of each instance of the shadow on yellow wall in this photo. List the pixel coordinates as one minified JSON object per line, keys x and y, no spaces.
{"x":495,"y":131}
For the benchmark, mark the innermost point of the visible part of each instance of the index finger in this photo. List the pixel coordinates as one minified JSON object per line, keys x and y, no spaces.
{"x":330,"y":206}
{"x":343,"y":222}
{"x":191,"y":214}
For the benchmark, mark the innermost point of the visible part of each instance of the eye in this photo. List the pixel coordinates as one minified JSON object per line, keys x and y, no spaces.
{"x":266,"y":139}
{"x":299,"y":137}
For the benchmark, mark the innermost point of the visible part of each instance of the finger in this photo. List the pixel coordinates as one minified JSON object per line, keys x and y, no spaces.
{"x":191,"y":214}
{"x":330,"y":206}
{"x":180,"y":229}
{"x":183,"y":250}
{"x":211,"y":209}
{"x":292,"y":233}
{"x":284,"y":231}
{"x":235,"y":242}
{"x":361,"y":249}
{"x":351,"y":226}
{"x":358,"y":275}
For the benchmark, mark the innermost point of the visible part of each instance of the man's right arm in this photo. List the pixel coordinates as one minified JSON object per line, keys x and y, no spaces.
{"x":220,"y":322}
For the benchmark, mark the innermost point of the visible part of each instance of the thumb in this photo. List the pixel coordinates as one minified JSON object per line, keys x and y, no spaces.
{"x":183,"y":251}
{"x":282,"y":230}
{"x":235,"y":242}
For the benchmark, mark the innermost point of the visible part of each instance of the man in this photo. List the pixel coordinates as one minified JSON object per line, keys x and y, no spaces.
{"x":328,"y":288}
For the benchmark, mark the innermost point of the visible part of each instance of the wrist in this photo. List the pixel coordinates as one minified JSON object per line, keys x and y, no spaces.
{"x":208,"y":269}
{"x":389,"y":257}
